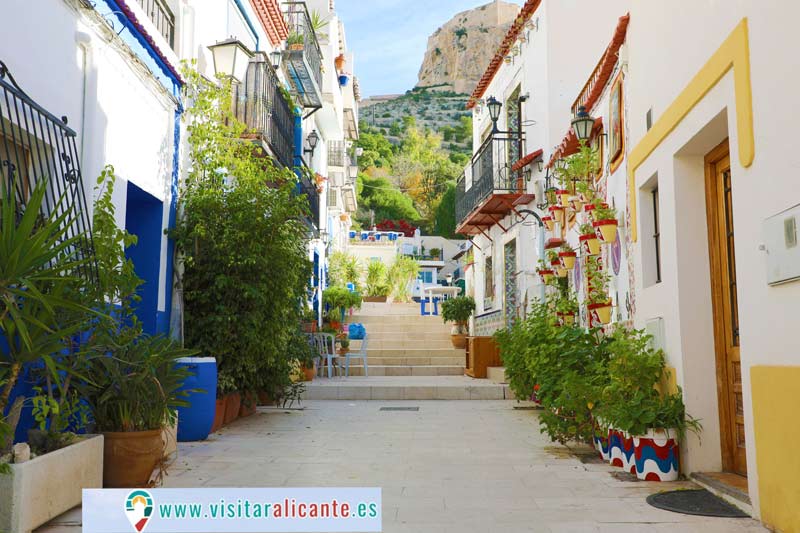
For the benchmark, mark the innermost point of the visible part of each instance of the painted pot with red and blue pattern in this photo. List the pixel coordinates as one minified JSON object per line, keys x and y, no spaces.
{"x":621,"y":450}
{"x":656,"y":455}
{"x":601,"y":443}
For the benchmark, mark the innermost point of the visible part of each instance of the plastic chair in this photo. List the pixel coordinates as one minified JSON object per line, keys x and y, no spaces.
{"x":360,"y":354}
{"x":326,"y":344}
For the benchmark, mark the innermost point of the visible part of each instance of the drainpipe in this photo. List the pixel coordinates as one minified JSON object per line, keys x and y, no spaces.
{"x":541,"y":241}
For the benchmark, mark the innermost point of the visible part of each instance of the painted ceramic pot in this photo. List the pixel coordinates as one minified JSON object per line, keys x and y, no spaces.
{"x":606,"y":230}
{"x":621,"y":450}
{"x":567,"y":259}
{"x":657,"y":455}
{"x":557,"y":212}
{"x":563,"y":195}
{"x":566,"y":319}
{"x":601,"y":443}
{"x":600,"y":313}
{"x":590,"y":244}
{"x":561,"y":272}
{"x":546,"y":275}
{"x":549,"y":223}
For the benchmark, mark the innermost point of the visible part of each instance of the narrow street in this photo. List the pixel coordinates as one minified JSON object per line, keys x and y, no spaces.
{"x":452,"y":466}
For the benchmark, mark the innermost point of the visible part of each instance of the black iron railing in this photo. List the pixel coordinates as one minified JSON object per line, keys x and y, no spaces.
{"x":260,"y":104}
{"x":304,"y":63}
{"x":309,"y":189}
{"x":337,"y":154}
{"x":37,"y":147}
{"x":161,"y":15}
{"x":490,"y":169}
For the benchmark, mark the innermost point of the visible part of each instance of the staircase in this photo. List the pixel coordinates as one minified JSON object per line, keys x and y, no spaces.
{"x":410,"y":357}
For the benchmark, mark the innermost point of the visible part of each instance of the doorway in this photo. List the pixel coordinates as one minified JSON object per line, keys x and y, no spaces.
{"x":719,"y":210}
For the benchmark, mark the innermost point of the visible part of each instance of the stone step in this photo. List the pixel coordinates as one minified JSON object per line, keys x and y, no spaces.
{"x":415,"y":361}
{"x":408,"y":370}
{"x":410,"y":344}
{"x":405,"y":388}
{"x":394,"y":336}
{"x":414,"y":352}
{"x":496,"y":374}
{"x":407,"y":320}
{"x":392,"y":309}
{"x":400,"y":329}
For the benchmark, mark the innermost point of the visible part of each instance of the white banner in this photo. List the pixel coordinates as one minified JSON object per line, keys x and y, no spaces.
{"x":231,"y":510}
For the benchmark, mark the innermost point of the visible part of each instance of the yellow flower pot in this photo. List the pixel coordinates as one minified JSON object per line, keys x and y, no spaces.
{"x":557,"y":212}
{"x":606,"y":230}
{"x":590,"y":243}
{"x":600,"y":313}
{"x":564,"y":196}
{"x":549,"y":223}
{"x":546,"y":275}
{"x":567,"y":259}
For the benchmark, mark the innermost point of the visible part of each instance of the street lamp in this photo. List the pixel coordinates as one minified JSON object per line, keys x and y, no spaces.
{"x":276,"y":56}
{"x":231,"y":58}
{"x":449,"y":279}
{"x":494,"y":111}
{"x":313,"y":139}
{"x":582,"y":124}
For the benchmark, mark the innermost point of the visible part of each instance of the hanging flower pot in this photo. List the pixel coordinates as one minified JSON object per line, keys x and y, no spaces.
{"x":550,"y":195}
{"x":590,"y":244}
{"x":546,"y":275}
{"x":600,"y":312}
{"x":576,"y":203}
{"x":557,"y":212}
{"x":549,"y":223}
{"x":587,"y":209}
{"x":567,"y":259}
{"x":563,"y":195}
{"x":344,"y":79}
{"x":339,"y":62}
{"x":606,"y":230}
{"x":561,"y":272}
{"x":656,"y":455}
{"x":566,"y":319}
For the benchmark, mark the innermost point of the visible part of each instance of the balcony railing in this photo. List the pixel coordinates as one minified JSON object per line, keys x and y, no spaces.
{"x":309,"y":189}
{"x":304,"y":57}
{"x":491,"y":173}
{"x":161,"y":15}
{"x":337,"y":154}
{"x":36,"y":147}
{"x":259,"y":103}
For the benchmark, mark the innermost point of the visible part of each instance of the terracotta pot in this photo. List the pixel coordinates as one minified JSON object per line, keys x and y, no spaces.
{"x":219,"y":415}
{"x":309,"y":327}
{"x":567,"y":259}
{"x":600,"y":313}
{"x":248,"y":406}
{"x":264,"y":398}
{"x":309,"y":373}
{"x":606,"y":230}
{"x":336,"y":325}
{"x":129,"y":457}
{"x":459,"y":340}
{"x":296,"y":46}
{"x":590,"y":244}
{"x":339,"y":62}
{"x":232,"y":403}
{"x":563,"y":195}
{"x":549,"y":223}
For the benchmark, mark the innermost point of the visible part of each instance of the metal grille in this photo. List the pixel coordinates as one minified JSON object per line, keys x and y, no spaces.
{"x":161,"y":15}
{"x":336,"y":154}
{"x":37,"y":147}
{"x":304,"y":63}
{"x":259,"y":103}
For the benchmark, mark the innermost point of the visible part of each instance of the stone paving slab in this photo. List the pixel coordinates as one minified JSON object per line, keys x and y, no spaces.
{"x":463,"y":467}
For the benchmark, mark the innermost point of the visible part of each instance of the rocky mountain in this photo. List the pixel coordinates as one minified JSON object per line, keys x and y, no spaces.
{"x":460,"y":50}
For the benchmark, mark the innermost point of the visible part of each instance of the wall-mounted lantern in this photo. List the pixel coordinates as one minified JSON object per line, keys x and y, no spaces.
{"x":582,"y":124}
{"x":231,"y":58}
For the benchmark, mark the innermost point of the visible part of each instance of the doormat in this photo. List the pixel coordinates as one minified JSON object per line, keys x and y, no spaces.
{"x":399,"y":409}
{"x":695,"y":502}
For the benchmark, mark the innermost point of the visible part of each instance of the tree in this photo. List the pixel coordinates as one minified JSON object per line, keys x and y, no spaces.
{"x":380,"y":195}
{"x":444,"y":222}
{"x":378,"y":151}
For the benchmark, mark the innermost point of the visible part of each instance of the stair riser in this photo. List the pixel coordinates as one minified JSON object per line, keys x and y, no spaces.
{"x":415,"y":361}
{"x":448,"y":352}
{"x":348,"y":392}
{"x":375,"y":370}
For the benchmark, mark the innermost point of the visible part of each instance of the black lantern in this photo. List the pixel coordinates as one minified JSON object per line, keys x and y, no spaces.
{"x":313,"y":139}
{"x":276,"y":56}
{"x":582,"y":124}
{"x":494,"y":110}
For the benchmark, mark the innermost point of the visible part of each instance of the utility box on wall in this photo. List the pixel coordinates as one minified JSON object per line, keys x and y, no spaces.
{"x":781,"y":235}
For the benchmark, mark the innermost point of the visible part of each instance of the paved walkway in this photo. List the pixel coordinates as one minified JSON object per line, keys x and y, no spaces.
{"x":454,"y":466}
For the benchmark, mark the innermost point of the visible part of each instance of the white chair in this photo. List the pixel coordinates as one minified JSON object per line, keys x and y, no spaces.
{"x":326,"y":344}
{"x":360,"y":354}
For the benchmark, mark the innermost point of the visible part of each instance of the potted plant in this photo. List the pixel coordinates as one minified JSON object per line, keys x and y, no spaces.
{"x":309,"y":324}
{"x":597,"y":299}
{"x":545,"y":272}
{"x":378,"y":287}
{"x":555,"y":264}
{"x":605,"y":223}
{"x":588,"y":239}
{"x":344,"y":344}
{"x":436,"y":253}
{"x":458,"y":310}
{"x":567,"y":256}
{"x":549,"y":223}
{"x":339,"y":300}
{"x":295,"y":40}
{"x":344,"y":79}
{"x":557,"y":214}
{"x":339,"y":62}
{"x":566,"y":309}
{"x":551,"y":195}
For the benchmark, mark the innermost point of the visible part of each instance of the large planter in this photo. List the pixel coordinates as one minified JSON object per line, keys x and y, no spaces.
{"x":309,"y":373}
{"x":38,"y":490}
{"x":620,"y":450}
{"x":219,"y":414}
{"x":657,"y":455}
{"x":590,"y":244}
{"x":233,"y":402}
{"x":459,"y":340}
{"x":378,"y":299}
{"x":248,"y":406}
{"x":196,"y":420}
{"x":601,"y":444}
{"x":309,"y":327}
{"x":129,"y":457}
{"x":567,"y":259}
{"x":600,"y":313}
{"x":606,"y":230}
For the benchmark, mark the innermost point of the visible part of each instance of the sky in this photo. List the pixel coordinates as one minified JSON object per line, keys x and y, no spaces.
{"x":389,"y":38}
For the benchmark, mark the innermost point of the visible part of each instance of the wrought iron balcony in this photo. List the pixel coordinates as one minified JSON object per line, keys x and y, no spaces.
{"x":37,"y":147}
{"x":303,"y":61}
{"x":161,"y":15}
{"x":337,"y":154}
{"x":260,"y":104}
{"x":495,"y":189}
{"x":307,"y":187}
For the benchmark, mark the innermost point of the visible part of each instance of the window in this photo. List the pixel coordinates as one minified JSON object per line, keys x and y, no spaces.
{"x":426,"y":276}
{"x":656,"y":235}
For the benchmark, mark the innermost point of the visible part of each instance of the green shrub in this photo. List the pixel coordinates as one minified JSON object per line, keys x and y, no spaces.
{"x":458,"y":310}
{"x":377,"y":283}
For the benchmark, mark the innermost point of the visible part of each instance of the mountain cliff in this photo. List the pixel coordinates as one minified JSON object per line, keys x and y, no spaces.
{"x":460,"y":50}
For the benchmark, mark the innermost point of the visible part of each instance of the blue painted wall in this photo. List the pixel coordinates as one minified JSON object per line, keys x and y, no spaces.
{"x":143,"y":218}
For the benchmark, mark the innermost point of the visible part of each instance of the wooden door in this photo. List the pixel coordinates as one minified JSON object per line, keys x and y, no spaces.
{"x":719,"y":204}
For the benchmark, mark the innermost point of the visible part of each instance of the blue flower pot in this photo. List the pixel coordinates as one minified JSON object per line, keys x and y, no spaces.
{"x":343,"y":79}
{"x":195,"y":421}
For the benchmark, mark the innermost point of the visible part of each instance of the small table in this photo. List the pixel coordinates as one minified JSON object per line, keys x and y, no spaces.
{"x":429,"y":296}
